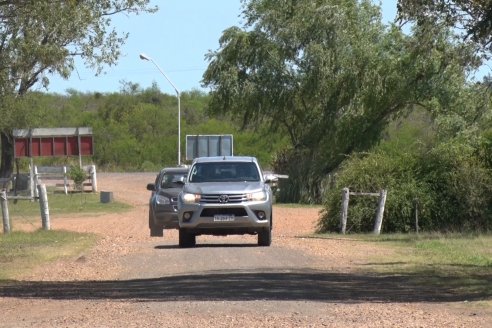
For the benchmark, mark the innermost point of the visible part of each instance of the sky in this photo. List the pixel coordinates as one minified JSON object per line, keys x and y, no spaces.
{"x":177,"y":38}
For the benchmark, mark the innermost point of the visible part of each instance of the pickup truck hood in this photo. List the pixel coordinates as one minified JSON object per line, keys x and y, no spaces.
{"x":170,"y":192}
{"x":223,"y":187}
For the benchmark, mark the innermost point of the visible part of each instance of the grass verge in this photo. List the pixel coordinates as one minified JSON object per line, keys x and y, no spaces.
{"x":76,"y":203}
{"x":460,"y":250}
{"x":22,"y":251}
{"x":462,"y":263}
{"x":453,"y":252}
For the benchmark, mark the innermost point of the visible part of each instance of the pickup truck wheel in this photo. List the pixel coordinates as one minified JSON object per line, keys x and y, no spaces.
{"x":186,"y":239}
{"x":155,"y":230}
{"x":265,"y":237}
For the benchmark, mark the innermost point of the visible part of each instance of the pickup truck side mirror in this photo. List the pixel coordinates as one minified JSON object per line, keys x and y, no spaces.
{"x":151,"y":186}
{"x":270,"y":178}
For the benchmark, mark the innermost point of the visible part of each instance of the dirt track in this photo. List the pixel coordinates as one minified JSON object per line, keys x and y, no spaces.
{"x":132,"y":280}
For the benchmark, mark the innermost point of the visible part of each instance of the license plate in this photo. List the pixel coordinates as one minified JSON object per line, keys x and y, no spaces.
{"x":223,"y":218}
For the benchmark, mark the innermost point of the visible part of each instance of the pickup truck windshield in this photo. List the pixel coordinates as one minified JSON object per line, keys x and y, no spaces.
{"x":226,"y":171}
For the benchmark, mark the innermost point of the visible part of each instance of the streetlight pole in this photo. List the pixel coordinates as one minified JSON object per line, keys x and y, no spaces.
{"x":145,"y":57}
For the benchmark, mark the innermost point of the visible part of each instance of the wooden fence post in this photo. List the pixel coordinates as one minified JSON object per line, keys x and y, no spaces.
{"x":379,"y":215}
{"x":43,"y":205}
{"x":5,"y":212}
{"x":345,"y":203}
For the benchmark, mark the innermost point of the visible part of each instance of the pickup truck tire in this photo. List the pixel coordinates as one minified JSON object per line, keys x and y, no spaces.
{"x":265,"y":237}
{"x":186,"y":239}
{"x":155,"y":230}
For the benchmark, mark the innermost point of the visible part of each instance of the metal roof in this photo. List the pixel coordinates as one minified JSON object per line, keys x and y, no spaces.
{"x":51,"y":132}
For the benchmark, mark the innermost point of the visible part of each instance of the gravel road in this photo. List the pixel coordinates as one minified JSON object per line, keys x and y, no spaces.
{"x":131,"y":280}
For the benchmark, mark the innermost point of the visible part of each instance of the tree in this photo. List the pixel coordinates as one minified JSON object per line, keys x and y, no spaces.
{"x":330,"y":75}
{"x":472,"y":17}
{"x":43,"y":37}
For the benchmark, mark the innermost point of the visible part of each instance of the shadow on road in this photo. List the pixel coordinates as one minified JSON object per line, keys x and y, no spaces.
{"x":304,"y":285}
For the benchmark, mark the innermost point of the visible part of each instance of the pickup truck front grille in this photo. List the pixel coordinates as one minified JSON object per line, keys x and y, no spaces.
{"x":223,"y":198}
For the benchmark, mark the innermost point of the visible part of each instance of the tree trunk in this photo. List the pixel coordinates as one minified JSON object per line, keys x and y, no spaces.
{"x":7,"y":154}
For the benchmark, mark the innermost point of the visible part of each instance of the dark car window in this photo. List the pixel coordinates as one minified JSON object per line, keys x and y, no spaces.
{"x":227,"y":171}
{"x":172,"y":180}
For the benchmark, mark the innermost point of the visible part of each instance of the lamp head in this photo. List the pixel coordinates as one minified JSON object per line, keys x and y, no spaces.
{"x":144,"y":56}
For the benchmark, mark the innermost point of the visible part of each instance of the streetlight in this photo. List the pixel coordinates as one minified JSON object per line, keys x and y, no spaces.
{"x":145,"y":57}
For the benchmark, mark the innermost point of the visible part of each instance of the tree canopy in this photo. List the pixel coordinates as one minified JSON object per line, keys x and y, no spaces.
{"x":473,"y":18}
{"x":135,"y":129}
{"x":40,"y":38}
{"x":330,"y":75}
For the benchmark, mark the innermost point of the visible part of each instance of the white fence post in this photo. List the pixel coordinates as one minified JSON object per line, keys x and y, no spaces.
{"x":32,"y":179}
{"x":65,"y":180}
{"x":36,"y":181}
{"x":345,"y":203}
{"x":379,"y":215}
{"x":5,"y":212}
{"x":43,"y":204}
{"x":94,"y":178}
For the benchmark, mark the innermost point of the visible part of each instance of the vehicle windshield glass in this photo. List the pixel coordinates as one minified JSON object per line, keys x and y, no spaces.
{"x":173,"y":179}
{"x":224,"y":171}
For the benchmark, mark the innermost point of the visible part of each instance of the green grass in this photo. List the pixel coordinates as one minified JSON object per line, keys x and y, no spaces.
{"x":460,"y":251}
{"x":59,"y":203}
{"x":456,"y":251}
{"x":22,"y":251}
{"x":462,"y":262}
{"x":449,"y":252}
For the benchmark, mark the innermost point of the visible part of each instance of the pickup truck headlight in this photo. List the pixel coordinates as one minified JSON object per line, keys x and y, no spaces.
{"x":191,"y":198}
{"x":257,"y":196}
{"x":162,"y":200}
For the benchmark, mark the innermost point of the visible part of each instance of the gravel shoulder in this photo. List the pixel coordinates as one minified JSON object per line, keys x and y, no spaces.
{"x":131,"y":280}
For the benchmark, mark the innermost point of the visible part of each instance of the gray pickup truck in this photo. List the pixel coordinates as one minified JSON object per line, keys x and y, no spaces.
{"x":225,"y":196}
{"x":163,"y":202}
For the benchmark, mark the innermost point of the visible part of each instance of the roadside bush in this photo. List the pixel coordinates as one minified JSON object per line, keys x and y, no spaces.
{"x":461,"y":186}
{"x":148,"y":166}
{"x":485,"y":150}
{"x":371,"y":173}
{"x":304,"y":183}
{"x":78,"y":175}
{"x":452,"y":189}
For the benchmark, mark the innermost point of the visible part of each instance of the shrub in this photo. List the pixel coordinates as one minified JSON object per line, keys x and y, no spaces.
{"x":452,"y":188}
{"x":78,"y":175}
{"x":461,"y":186}
{"x":148,"y":166}
{"x":371,"y":173}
